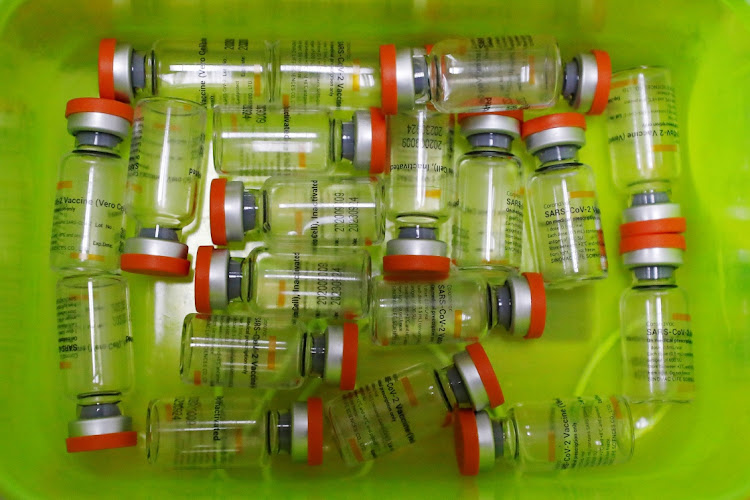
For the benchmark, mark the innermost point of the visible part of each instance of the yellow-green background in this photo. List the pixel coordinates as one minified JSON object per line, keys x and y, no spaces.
{"x":48,"y":53}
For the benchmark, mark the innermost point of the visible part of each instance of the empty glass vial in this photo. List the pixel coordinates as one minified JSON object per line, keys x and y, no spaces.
{"x":239,"y":71}
{"x":493,"y":74}
{"x":643,"y":134}
{"x":331,"y":284}
{"x":194,"y":432}
{"x":421,"y":182}
{"x":411,"y":405}
{"x":461,"y":308}
{"x":488,"y":232}
{"x":562,"y":434}
{"x":325,"y":211}
{"x":88,"y":220}
{"x":416,"y":255}
{"x":96,"y":359}
{"x":261,"y":352}
{"x":164,"y":177}
{"x":657,"y":339}
{"x":564,"y":209}
{"x":261,"y":140}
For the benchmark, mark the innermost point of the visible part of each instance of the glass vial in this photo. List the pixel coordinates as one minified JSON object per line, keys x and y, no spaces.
{"x":494,"y":74}
{"x":562,"y":434}
{"x":643,"y":133}
{"x":421,"y":182}
{"x":96,"y":359}
{"x":564,"y":209}
{"x":325,"y":211}
{"x":88,"y":216}
{"x":262,"y":140}
{"x":331,"y":284}
{"x":204,"y":432}
{"x":488,"y":232}
{"x":460,"y":308}
{"x":164,"y":178}
{"x":258,"y":352}
{"x":410,"y":405}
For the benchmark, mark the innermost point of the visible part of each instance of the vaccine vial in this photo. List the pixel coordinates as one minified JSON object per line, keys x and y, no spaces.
{"x":324,"y":211}
{"x":562,"y":434}
{"x":261,"y":352}
{"x":164,"y":178}
{"x":494,"y":74}
{"x":96,"y":359}
{"x":204,"y":432}
{"x":416,"y":255}
{"x":88,"y":220}
{"x":460,"y":308}
{"x":564,"y":208}
{"x":421,"y":182}
{"x":643,"y":133}
{"x":488,"y":231}
{"x":327,"y":283}
{"x":265,"y":140}
{"x":410,"y":405}
{"x":657,"y":339}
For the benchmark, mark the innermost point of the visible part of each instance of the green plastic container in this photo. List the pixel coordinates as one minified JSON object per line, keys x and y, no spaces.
{"x":49,"y":52}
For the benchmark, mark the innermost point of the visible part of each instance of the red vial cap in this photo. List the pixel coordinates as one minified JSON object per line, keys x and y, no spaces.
{"x":654,"y":226}
{"x":644,"y":241}
{"x":154,"y":265}
{"x":486,"y":373}
{"x":389,"y":83}
{"x":349,"y":357}
{"x":415,"y":267}
{"x":101,"y":441}
{"x":538,"y":305}
{"x":379,"y":148}
{"x":107,"y":48}
{"x":217,"y":215}
{"x":98,"y":105}
{"x":314,"y":431}
{"x":603,"y":81}
{"x":556,"y":120}
{"x":202,"y":282}
{"x":466,"y":441}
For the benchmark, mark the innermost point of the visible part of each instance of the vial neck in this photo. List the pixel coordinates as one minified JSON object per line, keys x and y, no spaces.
{"x":554,"y":156}
{"x":97,"y":142}
{"x":144,"y":64}
{"x":506,"y":431}
{"x":279,"y":432}
{"x":654,"y":276}
{"x":315,"y":355}
{"x":98,"y":410}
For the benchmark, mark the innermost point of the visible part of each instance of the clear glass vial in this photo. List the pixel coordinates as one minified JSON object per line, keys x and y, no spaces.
{"x":488,"y":231}
{"x":260,"y":352}
{"x":194,"y":432}
{"x":493,"y":74}
{"x":643,"y":132}
{"x":416,"y":255}
{"x":460,"y":308}
{"x":564,"y":208}
{"x":164,"y":178}
{"x":88,"y":218}
{"x":324,"y":211}
{"x":562,"y":434}
{"x":326,"y":283}
{"x":421,"y":181}
{"x":410,"y":405}
{"x":96,"y":359}
{"x":264,"y":140}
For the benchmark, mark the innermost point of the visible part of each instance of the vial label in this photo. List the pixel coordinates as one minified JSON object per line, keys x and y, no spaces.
{"x":262,"y":142}
{"x":421,"y":168}
{"x":332,"y":286}
{"x":393,"y":412}
{"x":328,"y":74}
{"x":210,"y":72}
{"x":88,"y":221}
{"x":234,"y":351}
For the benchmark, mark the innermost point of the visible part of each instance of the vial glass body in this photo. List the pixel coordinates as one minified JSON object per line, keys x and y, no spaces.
{"x":324,"y":211}
{"x":643,"y":134}
{"x":569,"y":433}
{"x":457,"y":309}
{"x":657,"y":344}
{"x":566,"y":223}
{"x":495,"y":73}
{"x":332,"y":284}
{"x":489,"y":220}
{"x":94,"y":338}
{"x":88,"y":219}
{"x":421,"y":180}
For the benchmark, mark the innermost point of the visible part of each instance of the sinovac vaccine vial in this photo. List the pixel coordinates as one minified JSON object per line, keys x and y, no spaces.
{"x":89,"y":209}
{"x":271,"y":140}
{"x":643,"y":132}
{"x":261,"y":352}
{"x":314,"y":211}
{"x":562,"y":196}
{"x":220,"y":432}
{"x":94,"y":343}
{"x":326,"y":283}
{"x":488,"y":232}
{"x":562,"y":434}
